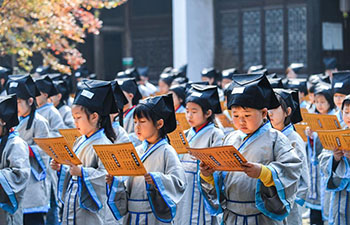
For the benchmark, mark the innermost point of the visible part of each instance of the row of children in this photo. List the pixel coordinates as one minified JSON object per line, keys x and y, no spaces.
{"x":177,"y":189}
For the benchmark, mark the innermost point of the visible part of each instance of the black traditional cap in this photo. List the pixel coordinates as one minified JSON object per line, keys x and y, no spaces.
{"x":168,"y":69}
{"x":97,"y":96}
{"x":189,"y":84}
{"x":143,"y":71}
{"x":253,"y":91}
{"x":276,"y":82}
{"x":256,"y":68}
{"x":8,"y":110}
{"x":62,"y":88}
{"x":55,"y":76}
{"x":272,"y":75}
{"x":296,"y":83}
{"x":330,"y":63}
{"x":291,"y":98}
{"x":228,"y":73}
{"x":180,"y":91}
{"x":209,"y":72}
{"x":163,"y":107}
{"x":122,"y":75}
{"x":181,"y":71}
{"x":132,"y":72}
{"x":129,"y":85}
{"x":5,"y":72}
{"x":82,"y":72}
{"x":296,"y":67}
{"x":206,"y":96}
{"x":23,"y":86}
{"x":341,"y":82}
{"x":167,"y":78}
{"x":45,"y":85}
{"x":119,"y":96}
{"x":180,"y":80}
{"x":42,"y":70}
{"x":92,"y":76}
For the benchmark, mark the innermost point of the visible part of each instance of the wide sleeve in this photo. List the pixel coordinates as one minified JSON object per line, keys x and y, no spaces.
{"x":122,"y":136}
{"x":68,"y":118}
{"x":217,"y":138}
{"x":92,"y":188}
{"x":14,"y":177}
{"x":62,"y":183}
{"x":56,"y":123}
{"x":117,"y":199}
{"x":169,"y":187}
{"x":275,"y":202}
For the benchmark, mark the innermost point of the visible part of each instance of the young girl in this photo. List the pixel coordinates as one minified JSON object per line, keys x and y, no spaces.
{"x":341,"y":88}
{"x":81,"y":188}
{"x":60,"y":102}
{"x":335,"y":166}
{"x":264,"y":192}
{"x":179,"y":95}
{"x":151,"y":199}
{"x":318,"y":197}
{"x":282,"y":118}
{"x":165,"y":81}
{"x":32,"y":125}
{"x":202,"y":102}
{"x":45,"y":107}
{"x":14,"y":164}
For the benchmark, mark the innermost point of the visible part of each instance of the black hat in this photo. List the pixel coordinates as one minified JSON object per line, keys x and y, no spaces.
{"x":23,"y":86}
{"x":55,"y":76}
{"x":167,"y":78}
{"x":180,"y":80}
{"x":209,"y":72}
{"x":119,"y":96}
{"x":330,"y":63}
{"x":272,"y":75}
{"x":228,"y":73}
{"x":296,"y":84}
{"x":168,"y":69}
{"x":341,"y":82}
{"x":204,"y":95}
{"x":122,"y":75}
{"x":8,"y":110}
{"x":92,"y":76}
{"x":45,"y":85}
{"x":256,"y":68}
{"x":62,"y":88}
{"x":82,"y":72}
{"x":189,"y":84}
{"x":180,"y":91}
{"x":132,"y":72}
{"x":5,"y":72}
{"x":276,"y":82}
{"x":143,"y":71}
{"x":291,"y":98}
{"x":97,"y":96}
{"x":181,"y":71}
{"x":296,"y":67}
{"x":129,"y":85}
{"x":42,"y":70}
{"x":163,"y":107}
{"x":253,"y":91}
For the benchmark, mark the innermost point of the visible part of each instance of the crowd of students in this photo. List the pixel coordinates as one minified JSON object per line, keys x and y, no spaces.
{"x":283,"y":174}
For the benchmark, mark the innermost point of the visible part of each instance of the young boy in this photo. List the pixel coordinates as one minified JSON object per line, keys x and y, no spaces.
{"x":341,"y":88}
{"x":264,"y":192}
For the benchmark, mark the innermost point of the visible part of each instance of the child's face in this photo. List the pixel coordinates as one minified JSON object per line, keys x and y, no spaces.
{"x":195,"y":115}
{"x":176,"y":99}
{"x":311,"y":97}
{"x":277,"y":117}
{"x":248,"y":120}
{"x":86,"y":125}
{"x":322,"y":104}
{"x":338,"y":99}
{"x":42,"y":99}
{"x":346,"y":115}
{"x":163,"y":87}
{"x":145,"y":129}
{"x":23,"y":107}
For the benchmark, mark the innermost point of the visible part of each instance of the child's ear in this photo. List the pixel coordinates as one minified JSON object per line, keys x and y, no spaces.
{"x":30,"y":101}
{"x":264,"y":112}
{"x":289,"y":111}
{"x":160,"y":124}
{"x":208,"y":113}
{"x":94,"y":117}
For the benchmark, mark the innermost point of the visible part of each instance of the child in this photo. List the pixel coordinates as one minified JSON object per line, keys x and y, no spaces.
{"x":165,"y":81}
{"x":282,"y":118}
{"x":264,"y":192}
{"x":179,"y":96}
{"x":14,"y":164}
{"x":202,"y":102}
{"x":60,"y":102}
{"x":81,"y":188}
{"x":47,"y":109}
{"x":151,"y":199}
{"x":300,"y":85}
{"x":335,"y":167}
{"x":341,"y":88}
{"x":318,"y":196}
{"x":32,"y":125}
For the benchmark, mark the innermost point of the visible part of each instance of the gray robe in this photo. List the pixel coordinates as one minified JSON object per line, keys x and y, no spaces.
{"x":84,"y":198}
{"x":191,"y":208}
{"x":245,"y":200}
{"x":39,"y":162}
{"x":141,"y":203}
{"x":51,"y":114}
{"x":14,"y":175}
{"x":295,"y":216}
{"x":337,"y":182}
{"x":66,"y":114}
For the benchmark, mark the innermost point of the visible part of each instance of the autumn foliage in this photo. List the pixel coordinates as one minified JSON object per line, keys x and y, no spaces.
{"x":51,"y":28}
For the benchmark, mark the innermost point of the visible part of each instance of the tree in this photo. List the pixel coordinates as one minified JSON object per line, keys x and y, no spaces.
{"x":51,"y":28}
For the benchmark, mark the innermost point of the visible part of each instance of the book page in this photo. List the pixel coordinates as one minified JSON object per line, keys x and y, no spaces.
{"x":178,"y":140}
{"x":71,"y":135}
{"x":332,"y":139}
{"x":321,"y":122}
{"x":181,"y":119}
{"x":300,"y":129}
